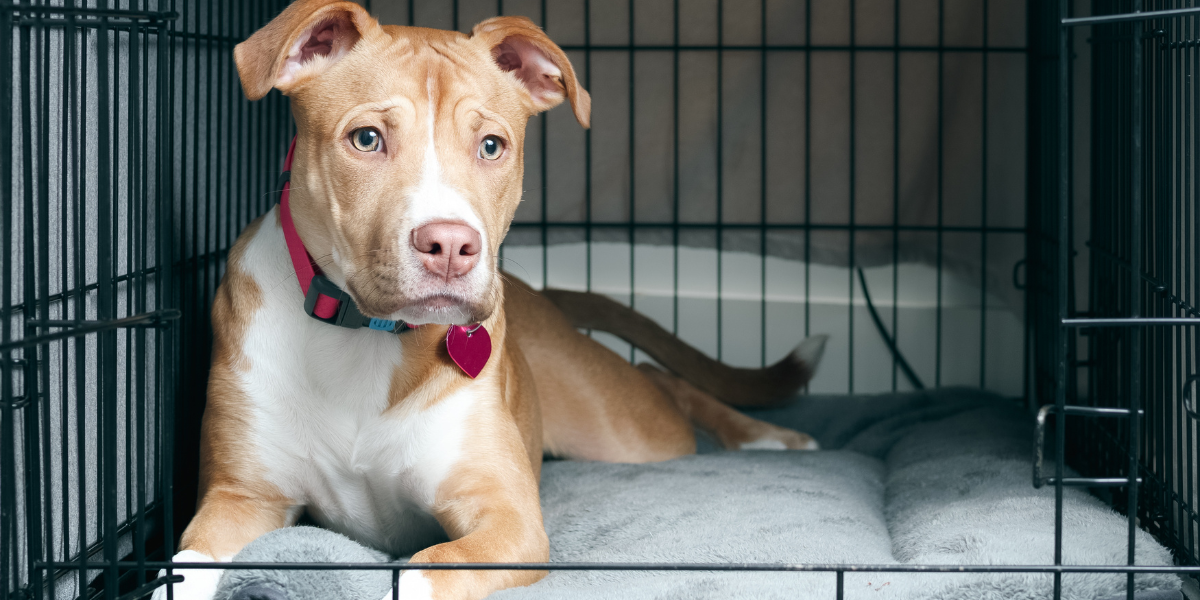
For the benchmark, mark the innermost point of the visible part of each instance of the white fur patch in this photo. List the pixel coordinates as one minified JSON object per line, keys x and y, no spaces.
{"x":197,"y":584}
{"x":763,"y":444}
{"x":414,"y":585}
{"x":433,"y":199}
{"x":318,"y":395}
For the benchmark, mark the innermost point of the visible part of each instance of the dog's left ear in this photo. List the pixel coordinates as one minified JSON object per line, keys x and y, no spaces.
{"x":307,"y":38}
{"x":523,"y":49}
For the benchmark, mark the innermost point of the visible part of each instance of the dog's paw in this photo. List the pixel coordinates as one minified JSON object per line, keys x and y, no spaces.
{"x":197,"y":584}
{"x":414,"y":585}
{"x":779,"y":438}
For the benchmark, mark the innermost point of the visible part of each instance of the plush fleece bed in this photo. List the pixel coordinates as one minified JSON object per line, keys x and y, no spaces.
{"x":940,"y":477}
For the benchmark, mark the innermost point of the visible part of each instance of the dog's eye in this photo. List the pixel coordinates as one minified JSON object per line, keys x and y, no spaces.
{"x":491,"y":148}
{"x":366,"y":139}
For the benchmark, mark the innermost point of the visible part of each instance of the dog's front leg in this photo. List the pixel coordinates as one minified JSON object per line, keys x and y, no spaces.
{"x":491,"y":511}
{"x":225,"y":521}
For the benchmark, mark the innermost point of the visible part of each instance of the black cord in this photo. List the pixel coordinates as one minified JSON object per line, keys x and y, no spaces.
{"x":891,"y":344}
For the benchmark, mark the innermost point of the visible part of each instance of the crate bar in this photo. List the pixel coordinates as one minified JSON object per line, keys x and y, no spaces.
{"x":545,"y":123}
{"x":150,"y":319}
{"x":807,"y":169}
{"x":35,"y":273}
{"x":8,"y":500}
{"x":895,"y":197}
{"x":129,"y":26}
{"x":1131,"y":322}
{"x":792,"y":48}
{"x":1091,"y":481}
{"x":29,"y":375}
{"x":1156,"y":339}
{"x":168,"y":217}
{"x":587,"y":141}
{"x":164,"y":368}
{"x":135,"y":381}
{"x":99,"y":13}
{"x":1136,"y":15}
{"x":647,"y":566}
{"x":851,"y":192}
{"x":1166,"y":352}
{"x":720,"y":175}
{"x":983,"y":210}
{"x":79,"y":100}
{"x":632,"y":66}
{"x":793,"y":226}
{"x":40,"y":302}
{"x":1064,"y":251}
{"x":675,"y":169}
{"x":1190,"y":250}
{"x":762,"y":184}
{"x":47,"y":467}
{"x":1097,"y":411}
{"x":1135,"y":292}
{"x":66,"y":85}
{"x":940,"y":184}
{"x":106,"y":348}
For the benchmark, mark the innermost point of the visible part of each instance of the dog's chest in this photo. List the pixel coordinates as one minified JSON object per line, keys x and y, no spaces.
{"x":318,"y":395}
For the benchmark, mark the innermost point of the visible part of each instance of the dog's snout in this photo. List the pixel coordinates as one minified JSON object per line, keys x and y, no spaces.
{"x":447,"y":249}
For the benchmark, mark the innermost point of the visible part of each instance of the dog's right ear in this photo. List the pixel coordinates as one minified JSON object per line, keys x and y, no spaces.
{"x":307,"y":38}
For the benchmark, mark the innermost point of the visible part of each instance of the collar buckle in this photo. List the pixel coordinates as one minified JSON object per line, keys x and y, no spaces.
{"x":347,"y":314}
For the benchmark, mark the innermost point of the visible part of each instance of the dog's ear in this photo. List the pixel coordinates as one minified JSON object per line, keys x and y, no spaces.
{"x":523,"y":49}
{"x":305,"y":39}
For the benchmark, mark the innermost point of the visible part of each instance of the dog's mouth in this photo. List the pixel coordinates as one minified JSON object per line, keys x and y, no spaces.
{"x":441,"y":309}
{"x":389,"y":292}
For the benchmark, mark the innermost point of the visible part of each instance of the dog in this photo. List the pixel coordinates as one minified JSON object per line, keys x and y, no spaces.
{"x":406,"y":393}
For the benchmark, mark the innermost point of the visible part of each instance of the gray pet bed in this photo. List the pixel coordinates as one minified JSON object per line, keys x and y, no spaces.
{"x":941,"y":477}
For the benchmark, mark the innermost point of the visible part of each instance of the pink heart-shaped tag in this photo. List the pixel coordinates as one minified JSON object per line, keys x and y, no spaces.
{"x":470,"y":347}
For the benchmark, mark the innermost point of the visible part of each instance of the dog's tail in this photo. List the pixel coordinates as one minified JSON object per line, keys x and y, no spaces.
{"x":732,"y":385}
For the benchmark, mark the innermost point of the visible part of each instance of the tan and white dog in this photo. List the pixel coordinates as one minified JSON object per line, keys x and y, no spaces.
{"x":406,"y":175}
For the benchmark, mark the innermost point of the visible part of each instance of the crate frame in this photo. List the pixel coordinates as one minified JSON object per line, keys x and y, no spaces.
{"x":171,"y":285}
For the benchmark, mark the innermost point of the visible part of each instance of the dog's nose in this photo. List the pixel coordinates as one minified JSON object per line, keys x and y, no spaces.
{"x":447,"y":249}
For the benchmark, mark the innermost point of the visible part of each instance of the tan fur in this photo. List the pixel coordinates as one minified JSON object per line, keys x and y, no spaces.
{"x":235,"y":504}
{"x":730,"y":427}
{"x":731,"y":385}
{"x":546,"y":388}
{"x":596,"y":406}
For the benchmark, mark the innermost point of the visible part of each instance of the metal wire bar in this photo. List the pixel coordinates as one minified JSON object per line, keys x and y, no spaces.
{"x":1131,"y":322}
{"x":79,"y":328}
{"x":161,"y":160}
{"x":791,"y":48}
{"x":653,"y":566}
{"x":1137,"y":15}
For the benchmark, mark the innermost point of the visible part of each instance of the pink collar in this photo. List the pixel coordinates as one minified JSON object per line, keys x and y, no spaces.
{"x":323,"y":299}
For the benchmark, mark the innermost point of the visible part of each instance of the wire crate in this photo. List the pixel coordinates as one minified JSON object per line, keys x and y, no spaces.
{"x":930,"y":182}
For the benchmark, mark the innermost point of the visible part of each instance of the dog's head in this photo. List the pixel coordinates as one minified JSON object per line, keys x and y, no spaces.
{"x":409,"y":154}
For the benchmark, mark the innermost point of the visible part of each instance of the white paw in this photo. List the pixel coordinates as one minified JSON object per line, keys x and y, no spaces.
{"x":782,"y":439}
{"x":414,"y":585}
{"x":198,"y":584}
{"x":763,"y":444}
